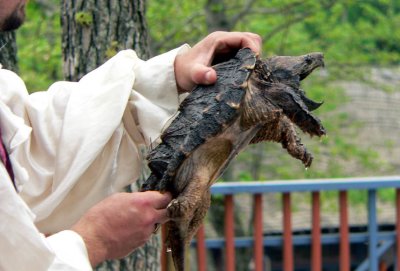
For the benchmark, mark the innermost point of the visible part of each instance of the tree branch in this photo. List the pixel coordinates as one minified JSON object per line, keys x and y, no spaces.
{"x":155,"y":47}
{"x":285,"y":25}
{"x":242,"y":13}
{"x":296,"y":19}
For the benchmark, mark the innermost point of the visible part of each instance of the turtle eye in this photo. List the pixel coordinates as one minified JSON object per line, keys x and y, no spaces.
{"x":308,"y":60}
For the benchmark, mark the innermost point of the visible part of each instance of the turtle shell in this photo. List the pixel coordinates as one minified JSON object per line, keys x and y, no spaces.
{"x":202,"y":115}
{"x":252,"y":101}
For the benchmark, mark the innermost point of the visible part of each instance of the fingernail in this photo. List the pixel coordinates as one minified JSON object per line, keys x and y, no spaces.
{"x":208,"y":76}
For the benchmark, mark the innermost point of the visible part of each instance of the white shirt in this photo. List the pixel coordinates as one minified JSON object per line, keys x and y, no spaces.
{"x":70,"y":147}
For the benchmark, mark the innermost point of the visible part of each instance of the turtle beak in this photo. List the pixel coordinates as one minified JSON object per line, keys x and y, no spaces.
{"x":310,"y":104}
{"x":309,"y":63}
{"x":291,"y":102}
{"x":291,"y":70}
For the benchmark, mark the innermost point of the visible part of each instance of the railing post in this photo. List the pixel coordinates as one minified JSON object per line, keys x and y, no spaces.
{"x":165,"y":256}
{"x":229,"y":234}
{"x":316,"y":233}
{"x":201,"y":250}
{"x":287,"y":234}
{"x":382,"y":266}
{"x":344,"y":233}
{"x":258,"y":233}
{"x":372,"y":231}
{"x":397,"y":262}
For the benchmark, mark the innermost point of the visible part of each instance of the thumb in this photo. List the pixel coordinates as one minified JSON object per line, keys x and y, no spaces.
{"x":204,"y":75}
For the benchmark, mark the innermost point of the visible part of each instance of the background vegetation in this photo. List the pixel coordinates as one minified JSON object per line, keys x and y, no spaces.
{"x":354,"y":36}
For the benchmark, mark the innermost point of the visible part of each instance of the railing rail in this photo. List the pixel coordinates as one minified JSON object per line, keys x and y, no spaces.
{"x":369,"y":183}
{"x":378,"y":242}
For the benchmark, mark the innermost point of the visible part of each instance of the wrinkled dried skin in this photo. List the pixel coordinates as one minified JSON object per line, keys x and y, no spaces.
{"x":252,"y":101}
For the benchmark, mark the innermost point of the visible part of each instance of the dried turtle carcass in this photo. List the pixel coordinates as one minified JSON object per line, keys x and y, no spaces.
{"x":253,"y":100}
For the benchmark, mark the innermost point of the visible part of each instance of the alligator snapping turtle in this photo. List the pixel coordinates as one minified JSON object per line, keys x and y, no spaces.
{"x":253,"y":100}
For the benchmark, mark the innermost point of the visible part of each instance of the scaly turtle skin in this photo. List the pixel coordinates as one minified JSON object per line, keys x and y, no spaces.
{"x":253,"y":100}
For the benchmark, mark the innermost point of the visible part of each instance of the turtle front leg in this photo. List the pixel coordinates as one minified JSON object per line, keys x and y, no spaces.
{"x":292,"y":143}
{"x":281,"y":130}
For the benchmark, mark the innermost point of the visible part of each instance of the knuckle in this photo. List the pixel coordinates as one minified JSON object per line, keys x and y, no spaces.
{"x":253,"y":35}
{"x":141,"y":201}
{"x":258,"y":37}
{"x":217,"y":33}
{"x":218,"y":36}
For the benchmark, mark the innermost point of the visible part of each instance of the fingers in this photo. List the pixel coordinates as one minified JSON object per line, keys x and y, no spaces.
{"x":253,"y":41}
{"x":192,"y":67}
{"x":227,"y":41}
{"x":158,"y":200}
{"x":202,"y":74}
{"x":223,"y":42}
{"x":121,"y":222}
{"x":159,"y":214}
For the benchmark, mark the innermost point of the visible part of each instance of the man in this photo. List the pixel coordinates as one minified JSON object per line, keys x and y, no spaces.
{"x":75,"y":146}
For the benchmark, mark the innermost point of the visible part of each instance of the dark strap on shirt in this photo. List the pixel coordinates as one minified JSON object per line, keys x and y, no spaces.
{"x":6,"y":161}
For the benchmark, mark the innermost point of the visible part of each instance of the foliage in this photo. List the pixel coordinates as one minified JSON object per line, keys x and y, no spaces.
{"x":350,"y":33}
{"x":39,"y":46}
{"x":84,"y":18}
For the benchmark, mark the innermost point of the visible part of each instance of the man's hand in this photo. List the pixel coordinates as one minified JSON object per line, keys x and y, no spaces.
{"x":121,"y":223}
{"x":193,"y":66}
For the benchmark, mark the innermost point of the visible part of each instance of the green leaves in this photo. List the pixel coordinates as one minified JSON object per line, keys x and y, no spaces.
{"x":357,"y":32}
{"x":39,"y":46}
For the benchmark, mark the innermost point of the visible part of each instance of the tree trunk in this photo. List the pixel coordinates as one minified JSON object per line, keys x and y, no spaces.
{"x":94,"y":31}
{"x":8,"y":51}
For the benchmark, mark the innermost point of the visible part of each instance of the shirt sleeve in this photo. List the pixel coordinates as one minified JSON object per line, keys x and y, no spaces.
{"x":21,"y":244}
{"x":23,"y":247}
{"x":154,"y":108}
{"x":70,"y":251}
{"x":86,"y":136}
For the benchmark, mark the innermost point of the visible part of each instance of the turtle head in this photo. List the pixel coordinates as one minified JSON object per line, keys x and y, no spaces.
{"x":290,"y":70}
{"x":279,"y":78}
